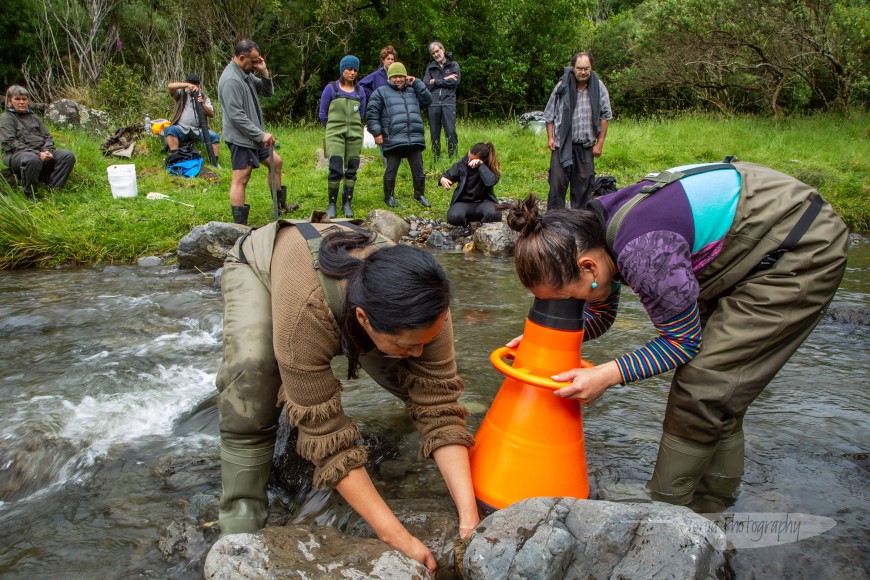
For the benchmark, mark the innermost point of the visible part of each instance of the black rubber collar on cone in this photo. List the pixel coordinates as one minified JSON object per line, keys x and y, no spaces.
{"x":558,"y":313}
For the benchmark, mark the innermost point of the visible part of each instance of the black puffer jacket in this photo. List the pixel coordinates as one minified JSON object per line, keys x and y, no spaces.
{"x":396,"y":115}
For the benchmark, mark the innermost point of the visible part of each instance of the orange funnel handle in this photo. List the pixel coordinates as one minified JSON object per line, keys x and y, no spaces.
{"x":523,"y":375}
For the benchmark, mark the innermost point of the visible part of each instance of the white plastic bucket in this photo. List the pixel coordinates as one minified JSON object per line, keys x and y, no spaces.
{"x":122,"y":180}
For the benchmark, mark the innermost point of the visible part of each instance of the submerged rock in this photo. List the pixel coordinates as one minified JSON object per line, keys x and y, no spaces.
{"x":306,"y":552}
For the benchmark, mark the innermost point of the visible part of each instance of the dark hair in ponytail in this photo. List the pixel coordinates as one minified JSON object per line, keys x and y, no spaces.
{"x":398,"y":287}
{"x":549,"y":244}
{"x":486,"y":153}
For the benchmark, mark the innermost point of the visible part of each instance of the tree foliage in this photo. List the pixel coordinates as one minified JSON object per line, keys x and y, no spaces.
{"x":745,"y":55}
{"x":775,"y":56}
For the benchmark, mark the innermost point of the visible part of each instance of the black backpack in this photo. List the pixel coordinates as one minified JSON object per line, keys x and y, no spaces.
{"x":184,"y":153}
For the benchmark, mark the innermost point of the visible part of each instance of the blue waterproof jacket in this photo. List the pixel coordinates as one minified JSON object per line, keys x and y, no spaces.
{"x":396,"y":115}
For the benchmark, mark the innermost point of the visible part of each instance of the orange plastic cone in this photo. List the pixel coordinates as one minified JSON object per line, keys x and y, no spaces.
{"x":530,"y":443}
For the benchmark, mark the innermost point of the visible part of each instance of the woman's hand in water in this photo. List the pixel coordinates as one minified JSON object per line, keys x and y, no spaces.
{"x":587,"y":385}
{"x":414,"y":548}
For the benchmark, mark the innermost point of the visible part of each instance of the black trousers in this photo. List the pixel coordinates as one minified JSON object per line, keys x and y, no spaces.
{"x":393,"y":160}
{"x":579,"y":176}
{"x":443,"y":116}
{"x":461,"y":213}
{"x":53,"y":172}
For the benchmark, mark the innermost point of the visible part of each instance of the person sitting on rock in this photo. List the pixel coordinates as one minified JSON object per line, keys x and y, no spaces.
{"x":28,"y":148}
{"x":474,"y":198}
{"x":184,"y":125}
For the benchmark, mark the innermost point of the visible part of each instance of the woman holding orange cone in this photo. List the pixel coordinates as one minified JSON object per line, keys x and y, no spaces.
{"x":745,"y":256}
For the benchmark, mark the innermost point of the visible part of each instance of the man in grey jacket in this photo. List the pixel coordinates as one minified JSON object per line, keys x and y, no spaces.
{"x":249,"y":144}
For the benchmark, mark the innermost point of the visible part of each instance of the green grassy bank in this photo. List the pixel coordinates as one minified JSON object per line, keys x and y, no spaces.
{"x":83,"y":224}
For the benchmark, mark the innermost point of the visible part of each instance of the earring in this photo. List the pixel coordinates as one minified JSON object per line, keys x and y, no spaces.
{"x":595,"y":283}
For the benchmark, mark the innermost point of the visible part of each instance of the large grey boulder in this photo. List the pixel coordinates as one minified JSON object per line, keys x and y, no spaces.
{"x":387,"y":224}
{"x":71,"y":115}
{"x":555,"y":538}
{"x":495,"y":240}
{"x":205,"y":247}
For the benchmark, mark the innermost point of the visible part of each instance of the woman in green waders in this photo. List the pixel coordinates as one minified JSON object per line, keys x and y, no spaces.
{"x":297,"y":296}
{"x":342,"y":106}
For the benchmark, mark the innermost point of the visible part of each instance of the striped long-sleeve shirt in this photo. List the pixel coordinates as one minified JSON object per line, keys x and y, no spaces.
{"x":661,"y":244}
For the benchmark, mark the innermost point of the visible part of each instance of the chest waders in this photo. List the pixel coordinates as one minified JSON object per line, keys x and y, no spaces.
{"x":342,"y":147}
{"x":249,"y":379}
{"x":759,"y":299}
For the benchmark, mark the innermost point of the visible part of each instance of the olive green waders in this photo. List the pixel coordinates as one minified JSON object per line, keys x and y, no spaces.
{"x":249,"y":379}
{"x":342,"y":147}
{"x":753,"y":322}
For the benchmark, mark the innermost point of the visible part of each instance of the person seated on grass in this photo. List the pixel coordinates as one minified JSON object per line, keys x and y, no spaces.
{"x":476,"y":174}
{"x":28,"y":148}
{"x":185,"y":125}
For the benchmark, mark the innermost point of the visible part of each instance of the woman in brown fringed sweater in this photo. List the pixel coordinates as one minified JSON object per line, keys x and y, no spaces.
{"x":389,"y":316}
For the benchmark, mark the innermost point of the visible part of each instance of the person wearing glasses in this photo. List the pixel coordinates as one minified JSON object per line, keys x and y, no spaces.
{"x":576,"y":115}
{"x":442,"y":78}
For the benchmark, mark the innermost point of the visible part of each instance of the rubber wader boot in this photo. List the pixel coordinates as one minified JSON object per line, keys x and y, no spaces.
{"x":679,"y":466}
{"x":419,"y":190}
{"x":240,"y":214}
{"x":244,"y":473}
{"x":346,"y":197}
{"x":717,"y":489}
{"x":282,"y":201}
{"x":389,"y":187}
{"x":332,"y":188}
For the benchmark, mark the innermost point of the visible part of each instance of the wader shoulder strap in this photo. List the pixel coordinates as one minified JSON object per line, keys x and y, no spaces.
{"x":659,"y":179}
{"x":331,"y":286}
{"x":794,"y":236}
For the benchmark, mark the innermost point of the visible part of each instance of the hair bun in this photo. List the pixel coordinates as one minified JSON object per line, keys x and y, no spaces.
{"x":523,"y":216}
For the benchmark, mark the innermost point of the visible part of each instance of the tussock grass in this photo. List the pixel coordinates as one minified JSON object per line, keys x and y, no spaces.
{"x":82,"y":224}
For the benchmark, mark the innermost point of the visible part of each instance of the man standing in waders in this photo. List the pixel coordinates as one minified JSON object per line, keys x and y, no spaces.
{"x":342,"y":106}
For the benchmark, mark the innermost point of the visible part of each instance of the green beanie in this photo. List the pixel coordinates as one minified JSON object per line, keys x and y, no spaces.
{"x":396,"y":69}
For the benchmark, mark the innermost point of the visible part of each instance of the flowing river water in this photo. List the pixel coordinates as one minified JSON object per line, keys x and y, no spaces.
{"x":106,"y":370}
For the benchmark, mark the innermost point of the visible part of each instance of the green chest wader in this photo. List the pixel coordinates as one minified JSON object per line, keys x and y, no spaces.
{"x":685,"y":467}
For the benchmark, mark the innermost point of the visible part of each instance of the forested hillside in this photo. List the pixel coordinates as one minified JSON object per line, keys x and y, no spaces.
{"x":771,"y":57}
